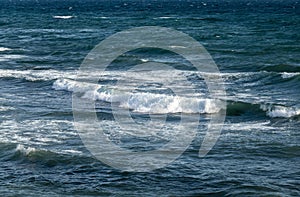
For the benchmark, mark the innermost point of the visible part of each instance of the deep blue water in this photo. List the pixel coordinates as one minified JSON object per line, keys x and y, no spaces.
{"x":255,"y":45}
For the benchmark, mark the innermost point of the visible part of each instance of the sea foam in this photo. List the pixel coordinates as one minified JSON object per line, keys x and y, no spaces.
{"x":285,"y":112}
{"x":25,"y":150}
{"x":286,"y":75}
{"x":276,"y":111}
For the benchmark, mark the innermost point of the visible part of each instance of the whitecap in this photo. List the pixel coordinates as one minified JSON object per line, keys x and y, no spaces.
{"x":35,"y":75}
{"x":142,"y":102}
{"x":286,"y":75}
{"x":63,"y":17}
{"x":75,"y":152}
{"x":165,"y":17}
{"x":248,"y":126}
{"x":144,"y":60}
{"x":25,"y":150}
{"x":4,"y":49}
{"x":73,"y":86}
{"x":10,"y":57}
{"x":276,"y":111}
{"x":284,"y":112}
{"x":180,"y":47}
{"x":6,"y":108}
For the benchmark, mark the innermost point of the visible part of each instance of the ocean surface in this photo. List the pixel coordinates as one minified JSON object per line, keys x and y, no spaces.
{"x":255,"y":44}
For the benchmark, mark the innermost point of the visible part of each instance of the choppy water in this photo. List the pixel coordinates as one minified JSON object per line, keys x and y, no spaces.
{"x":255,"y":45}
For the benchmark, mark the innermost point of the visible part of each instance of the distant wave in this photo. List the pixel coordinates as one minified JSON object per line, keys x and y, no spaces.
{"x":9,"y":57}
{"x":211,"y":19}
{"x":287,"y":75}
{"x":41,"y":73}
{"x":4,"y":49}
{"x":30,"y":150}
{"x":36,"y":75}
{"x":6,"y":108}
{"x":165,"y":17}
{"x":63,"y":17}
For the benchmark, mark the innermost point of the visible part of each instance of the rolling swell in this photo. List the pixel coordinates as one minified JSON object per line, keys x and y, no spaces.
{"x":271,"y":110}
{"x":25,"y":154}
{"x":239,"y":108}
{"x":64,"y":80}
{"x":282,"y":68}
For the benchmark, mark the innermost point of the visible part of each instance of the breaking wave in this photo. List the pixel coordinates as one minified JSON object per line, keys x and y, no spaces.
{"x":25,"y":150}
{"x":143,"y":102}
{"x":270,"y":110}
{"x":146,"y":102}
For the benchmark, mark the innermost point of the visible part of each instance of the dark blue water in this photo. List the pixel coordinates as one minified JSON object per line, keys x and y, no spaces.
{"x":255,"y":44}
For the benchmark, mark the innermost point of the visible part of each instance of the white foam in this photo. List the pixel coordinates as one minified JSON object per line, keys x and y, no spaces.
{"x":157,"y":128}
{"x":281,"y":111}
{"x":6,"y":108}
{"x":25,"y":150}
{"x":158,"y":75}
{"x":35,"y":132}
{"x":4,"y":49}
{"x":73,"y":152}
{"x":286,"y":75}
{"x":34,"y":75}
{"x":248,"y":126}
{"x":165,"y":17}
{"x":50,"y":135}
{"x":162,"y":104}
{"x":4,"y":58}
{"x":144,"y":60}
{"x":275,"y":111}
{"x":73,"y":86}
{"x":143,"y":102}
{"x":63,"y":17}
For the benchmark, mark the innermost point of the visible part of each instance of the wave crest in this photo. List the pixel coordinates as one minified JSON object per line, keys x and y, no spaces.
{"x":63,"y":17}
{"x":142,"y":102}
{"x":25,"y":150}
{"x":282,"y":111}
